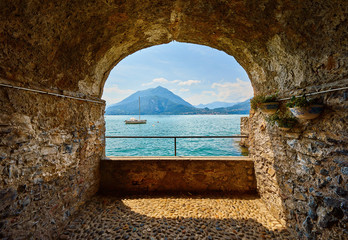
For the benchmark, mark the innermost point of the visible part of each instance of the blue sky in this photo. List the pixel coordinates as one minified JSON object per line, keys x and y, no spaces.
{"x":197,"y":73}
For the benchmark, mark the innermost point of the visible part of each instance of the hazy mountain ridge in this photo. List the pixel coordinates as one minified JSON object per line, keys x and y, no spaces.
{"x":162,"y":101}
{"x":215,"y":105}
{"x":238,"y":108}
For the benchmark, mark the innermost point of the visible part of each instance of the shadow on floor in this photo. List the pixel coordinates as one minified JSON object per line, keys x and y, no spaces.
{"x":173,"y":217}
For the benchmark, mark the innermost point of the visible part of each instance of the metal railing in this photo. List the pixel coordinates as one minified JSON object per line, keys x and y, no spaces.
{"x":175,"y":137}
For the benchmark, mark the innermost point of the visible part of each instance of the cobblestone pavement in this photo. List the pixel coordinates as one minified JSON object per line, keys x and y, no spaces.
{"x":174,"y":218}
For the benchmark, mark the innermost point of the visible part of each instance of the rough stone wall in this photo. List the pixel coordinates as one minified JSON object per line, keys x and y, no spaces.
{"x":50,"y":149}
{"x":305,"y":170}
{"x":244,"y":130}
{"x":177,"y":175}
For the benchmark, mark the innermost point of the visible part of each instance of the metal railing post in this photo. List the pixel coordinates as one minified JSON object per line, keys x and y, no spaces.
{"x":175,"y":146}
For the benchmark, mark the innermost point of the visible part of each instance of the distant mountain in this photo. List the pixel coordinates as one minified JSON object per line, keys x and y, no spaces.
{"x":157,"y":100}
{"x":215,"y":105}
{"x":160,"y":100}
{"x":239,"y":108}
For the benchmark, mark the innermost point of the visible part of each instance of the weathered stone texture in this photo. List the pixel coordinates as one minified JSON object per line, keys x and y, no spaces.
{"x":49,"y":161}
{"x":73,"y":45}
{"x":244,"y":130}
{"x":177,"y":175}
{"x":70,"y":46}
{"x":301,"y":173}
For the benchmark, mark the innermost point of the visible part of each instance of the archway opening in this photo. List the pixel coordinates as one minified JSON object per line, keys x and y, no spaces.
{"x":185,"y":90}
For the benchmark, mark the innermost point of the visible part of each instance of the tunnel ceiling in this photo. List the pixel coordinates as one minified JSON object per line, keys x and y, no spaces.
{"x":73,"y":45}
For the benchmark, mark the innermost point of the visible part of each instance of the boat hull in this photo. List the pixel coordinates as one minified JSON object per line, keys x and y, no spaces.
{"x":135,"y":121}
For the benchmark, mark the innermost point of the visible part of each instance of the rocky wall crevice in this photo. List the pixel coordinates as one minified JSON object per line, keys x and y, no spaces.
{"x":50,"y":149}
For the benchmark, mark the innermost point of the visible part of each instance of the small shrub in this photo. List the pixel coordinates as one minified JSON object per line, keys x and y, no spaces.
{"x":256,"y":101}
{"x":282,"y":120}
{"x":299,"y":102}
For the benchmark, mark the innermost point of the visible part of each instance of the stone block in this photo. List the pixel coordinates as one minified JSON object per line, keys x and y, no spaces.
{"x":344,"y":170}
{"x":7,"y":196}
{"x":289,"y":187}
{"x":292,"y":135}
{"x":48,"y":151}
{"x":300,"y":196}
{"x":328,"y":217}
{"x":324,"y":172}
{"x":271,"y":171}
{"x":341,"y":192}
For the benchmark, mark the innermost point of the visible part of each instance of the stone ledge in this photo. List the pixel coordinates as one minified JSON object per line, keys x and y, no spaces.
{"x":177,"y":174}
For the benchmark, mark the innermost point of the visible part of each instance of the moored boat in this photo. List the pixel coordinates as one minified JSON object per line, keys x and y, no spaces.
{"x":136,"y":121}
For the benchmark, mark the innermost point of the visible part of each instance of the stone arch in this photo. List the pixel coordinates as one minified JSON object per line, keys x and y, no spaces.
{"x":178,"y":25}
{"x":70,"y":47}
{"x":83,"y":41}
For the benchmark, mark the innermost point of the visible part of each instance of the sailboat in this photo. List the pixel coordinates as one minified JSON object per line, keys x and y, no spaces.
{"x":134,"y":120}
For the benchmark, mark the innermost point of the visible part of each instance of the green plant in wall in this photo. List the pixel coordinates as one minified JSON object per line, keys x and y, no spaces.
{"x":303,"y":108}
{"x":283,"y":120}
{"x":299,"y":102}
{"x":267,"y":104}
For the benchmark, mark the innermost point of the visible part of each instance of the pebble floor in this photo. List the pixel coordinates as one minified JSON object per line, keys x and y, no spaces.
{"x":174,"y":218}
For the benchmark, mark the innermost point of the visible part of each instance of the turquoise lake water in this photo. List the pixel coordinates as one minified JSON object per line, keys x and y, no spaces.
{"x":174,"y":125}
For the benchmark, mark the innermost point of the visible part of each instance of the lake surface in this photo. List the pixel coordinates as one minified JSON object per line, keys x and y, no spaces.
{"x":174,"y":125}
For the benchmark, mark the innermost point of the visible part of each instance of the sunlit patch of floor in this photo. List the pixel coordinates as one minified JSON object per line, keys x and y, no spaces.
{"x":175,"y":218}
{"x":204,"y":208}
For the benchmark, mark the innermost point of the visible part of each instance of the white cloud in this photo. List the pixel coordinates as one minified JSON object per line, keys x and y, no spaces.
{"x":188,"y":82}
{"x":210,"y":93}
{"x":204,"y":97}
{"x":233,"y":91}
{"x":166,"y":81}
{"x":160,"y":80}
{"x":156,"y":80}
{"x":146,"y":84}
{"x":114,"y":94}
{"x":184,"y":90}
{"x":116,"y":90}
{"x":226,"y":92}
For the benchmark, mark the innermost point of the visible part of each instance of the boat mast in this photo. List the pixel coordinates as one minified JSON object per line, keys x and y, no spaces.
{"x":139,"y":107}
